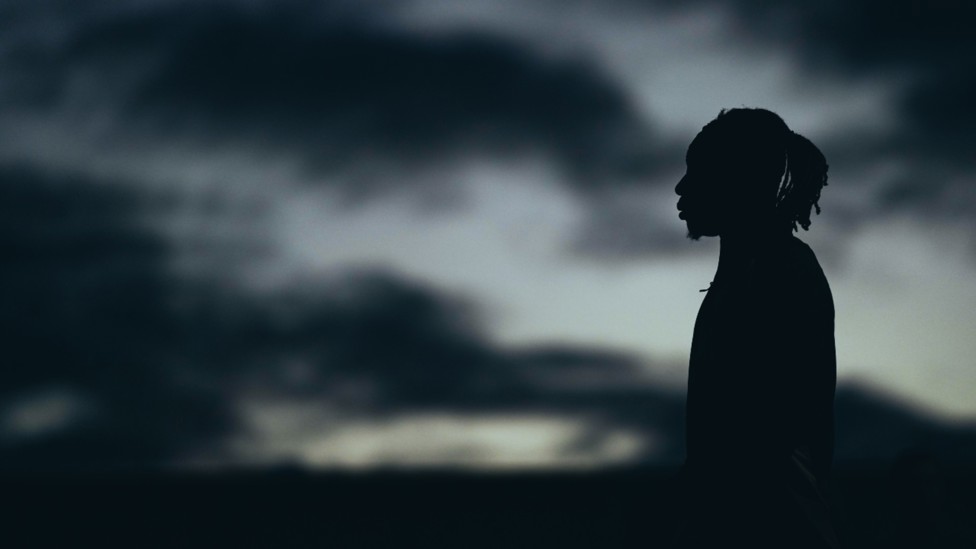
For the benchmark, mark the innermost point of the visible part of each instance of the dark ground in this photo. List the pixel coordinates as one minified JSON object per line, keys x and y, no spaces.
{"x":626,"y":508}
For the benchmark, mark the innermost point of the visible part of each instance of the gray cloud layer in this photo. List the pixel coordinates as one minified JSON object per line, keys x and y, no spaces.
{"x":336,"y":87}
{"x":150,"y":366}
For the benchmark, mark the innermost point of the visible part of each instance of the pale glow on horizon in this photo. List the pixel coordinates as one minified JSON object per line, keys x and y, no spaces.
{"x":313,"y":435}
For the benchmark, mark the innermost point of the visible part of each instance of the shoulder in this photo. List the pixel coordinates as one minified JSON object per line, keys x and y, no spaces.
{"x":792,"y":273}
{"x":794,"y":259}
{"x":805,"y":261}
{"x":807,"y":273}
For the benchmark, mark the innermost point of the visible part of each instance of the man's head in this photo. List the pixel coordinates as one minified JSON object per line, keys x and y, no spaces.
{"x":746,"y":169}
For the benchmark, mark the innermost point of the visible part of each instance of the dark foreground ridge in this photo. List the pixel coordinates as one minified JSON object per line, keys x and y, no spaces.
{"x":296,"y":508}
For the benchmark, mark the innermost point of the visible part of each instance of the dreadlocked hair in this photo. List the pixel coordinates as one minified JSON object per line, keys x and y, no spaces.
{"x":803,"y":179}
{"x":788,"y":170}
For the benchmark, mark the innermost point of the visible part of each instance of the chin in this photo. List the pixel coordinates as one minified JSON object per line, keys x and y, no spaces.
{"x":697,"y":230}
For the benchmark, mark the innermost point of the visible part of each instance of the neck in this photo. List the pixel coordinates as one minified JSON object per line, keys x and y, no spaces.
{"x":739,"y":250}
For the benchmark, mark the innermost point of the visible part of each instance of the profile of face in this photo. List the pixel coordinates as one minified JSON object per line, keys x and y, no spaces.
{"x":729,"y":183}
{"x":704,"y":191}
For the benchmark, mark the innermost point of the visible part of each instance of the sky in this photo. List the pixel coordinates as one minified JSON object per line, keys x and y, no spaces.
{"x":443,"y":233}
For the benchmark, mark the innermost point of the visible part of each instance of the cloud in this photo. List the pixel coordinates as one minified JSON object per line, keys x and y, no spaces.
{"x":395,"y":354}
{"x":338,"y":89}
{"x":93,"y":367}
{"x":115,"y":357}
{"x":370,"y":341}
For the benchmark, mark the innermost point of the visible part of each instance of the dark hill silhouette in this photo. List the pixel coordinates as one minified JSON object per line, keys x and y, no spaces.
{"x":873,"y":427}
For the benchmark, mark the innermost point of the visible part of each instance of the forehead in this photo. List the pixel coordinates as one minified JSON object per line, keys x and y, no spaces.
{"x":703,"y":146}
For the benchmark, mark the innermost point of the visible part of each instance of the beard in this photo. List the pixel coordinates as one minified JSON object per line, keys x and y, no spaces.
{"x":698,"y":229}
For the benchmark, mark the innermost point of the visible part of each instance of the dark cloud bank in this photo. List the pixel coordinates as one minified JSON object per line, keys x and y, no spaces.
{"x":361,"y":105}
{"x":155,"y":362}
{"x":337,"y":87}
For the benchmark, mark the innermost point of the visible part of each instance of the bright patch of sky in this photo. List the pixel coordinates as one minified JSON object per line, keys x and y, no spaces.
{"x":293,"y":432}
{"x":906,"y":307}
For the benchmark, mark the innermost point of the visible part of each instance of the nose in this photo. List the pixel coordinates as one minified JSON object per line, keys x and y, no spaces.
{"x":680,"y":187}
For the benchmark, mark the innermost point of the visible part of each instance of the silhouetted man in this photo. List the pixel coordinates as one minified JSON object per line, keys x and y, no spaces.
{"x":759,"y":416}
